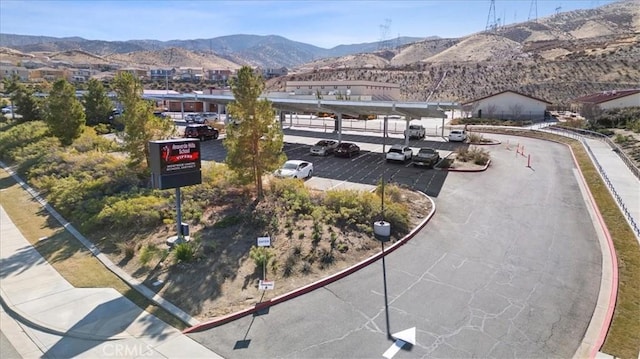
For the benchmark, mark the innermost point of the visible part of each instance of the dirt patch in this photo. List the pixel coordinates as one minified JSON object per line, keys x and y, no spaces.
{"x":223,"y":279}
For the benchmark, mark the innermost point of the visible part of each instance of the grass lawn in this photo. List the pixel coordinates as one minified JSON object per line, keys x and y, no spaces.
{"x":66,"y":254}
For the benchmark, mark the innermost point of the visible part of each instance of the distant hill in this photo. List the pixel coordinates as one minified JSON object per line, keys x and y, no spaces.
{"x":265,"y":51}
{"x":556,"y":58}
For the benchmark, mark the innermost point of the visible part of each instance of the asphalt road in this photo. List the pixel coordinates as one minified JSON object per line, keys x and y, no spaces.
{"x":508,"y":267}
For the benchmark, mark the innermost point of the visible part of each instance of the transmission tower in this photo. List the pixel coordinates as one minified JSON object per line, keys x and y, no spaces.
{"x":558,"y":9}
{"x":384,"y":33}
{"x":533,"y":11}
{"x":491,"y":25}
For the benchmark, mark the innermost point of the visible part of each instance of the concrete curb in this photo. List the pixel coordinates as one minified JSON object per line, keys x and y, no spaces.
{"x":317,"y":284}
{"x":134,"y":283}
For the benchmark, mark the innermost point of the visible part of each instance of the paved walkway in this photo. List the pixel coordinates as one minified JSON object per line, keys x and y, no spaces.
{"x":45,"y":316}
{"x":622,"y":183}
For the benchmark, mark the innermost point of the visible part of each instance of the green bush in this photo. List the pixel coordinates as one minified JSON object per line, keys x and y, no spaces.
{"x":351,"y":207}
{"x":292,"y":195}
{"x":260,"y":255}
{"x":392,"y":192}
{"x":185,"y":252}
{"x":130,"y":213}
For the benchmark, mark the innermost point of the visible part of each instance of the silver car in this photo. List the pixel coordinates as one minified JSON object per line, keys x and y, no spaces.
{"x":324,"y":147}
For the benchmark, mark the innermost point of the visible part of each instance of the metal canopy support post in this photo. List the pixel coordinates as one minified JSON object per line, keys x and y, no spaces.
{"x":406,"y":130}
{"x":339,"y":127}
{"x":385,"y":127}
{"x":182,"y":109}
{"x":442,"y":127}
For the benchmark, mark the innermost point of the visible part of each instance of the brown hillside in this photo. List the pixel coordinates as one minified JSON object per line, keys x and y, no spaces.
{"x":174,"y":57}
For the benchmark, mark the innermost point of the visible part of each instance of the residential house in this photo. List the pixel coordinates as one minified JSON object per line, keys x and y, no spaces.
{"x":219,"y":75}
{"x":190,"y":73}
{"x":508,"y":105}
{"x":162,"y":74}
{"x":47,"y":74}
{"x":273,"y":73}
{"x":8,"y":71}
{"x":80,"y":75}
{"x":137,"y":72}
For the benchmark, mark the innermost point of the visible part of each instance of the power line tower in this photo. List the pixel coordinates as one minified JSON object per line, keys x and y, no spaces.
{"x":384,"y":33}
{"x":533,"y":11}
{"x":558,"y":9}
{"x":491,"y":24}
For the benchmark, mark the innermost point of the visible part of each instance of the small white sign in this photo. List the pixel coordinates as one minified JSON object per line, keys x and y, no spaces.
{"x":266,"y":285}
{"x":264,"y":241}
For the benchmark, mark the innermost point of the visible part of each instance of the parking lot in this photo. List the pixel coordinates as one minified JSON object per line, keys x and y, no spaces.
{"x":367,"y":168}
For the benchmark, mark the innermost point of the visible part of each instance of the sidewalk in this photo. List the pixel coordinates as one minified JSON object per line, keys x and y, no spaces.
{"x":624,"y":185}
{"x":58,"y":320}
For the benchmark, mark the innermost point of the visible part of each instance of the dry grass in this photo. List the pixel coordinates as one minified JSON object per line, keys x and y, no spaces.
{"x":67,"y":255}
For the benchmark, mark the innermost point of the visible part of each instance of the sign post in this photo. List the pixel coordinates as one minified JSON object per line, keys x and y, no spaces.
{"x":175,"y":163}
{"x":265,"y":284}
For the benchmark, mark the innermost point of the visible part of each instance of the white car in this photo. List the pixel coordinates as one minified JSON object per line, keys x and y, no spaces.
{"x":399,"y":153}
{"x":295,"y":169}
{"x":457,"y":136}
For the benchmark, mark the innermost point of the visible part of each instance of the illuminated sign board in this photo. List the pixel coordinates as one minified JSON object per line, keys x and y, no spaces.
{"x":175,"y":163}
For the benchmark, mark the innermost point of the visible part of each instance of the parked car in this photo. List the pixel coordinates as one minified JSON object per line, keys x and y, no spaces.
{"x":416,"y":131}
{"x":203,"y":132}
{"x":160,"y":114}
{"x":324,"y":147}
{"x":457,"y":136}
{"x":347,"y":149}
{"x":7,"y":110}
{"x":426,"y":157}
{"x":295,"y":169}
{"x":210,"y":116}
{"x":399,"y":153}
{"x":194,"y":118}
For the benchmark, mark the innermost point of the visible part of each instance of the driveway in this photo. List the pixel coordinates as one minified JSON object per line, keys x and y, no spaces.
{"x":508,"y":267}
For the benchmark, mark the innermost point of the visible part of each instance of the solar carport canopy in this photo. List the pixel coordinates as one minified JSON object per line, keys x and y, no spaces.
{"x":351,"y":108}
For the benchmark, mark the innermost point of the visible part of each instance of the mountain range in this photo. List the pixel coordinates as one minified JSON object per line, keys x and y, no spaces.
{"x":557,"y":58}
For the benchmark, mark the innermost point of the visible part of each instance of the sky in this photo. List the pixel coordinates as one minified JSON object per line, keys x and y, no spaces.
{"x":325,"y":23}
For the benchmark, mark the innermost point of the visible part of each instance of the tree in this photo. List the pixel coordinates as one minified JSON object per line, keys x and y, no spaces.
{"x":11,"y":85}
{"x":64,"y":114}
{"x":26,"y":104}
{"x":140,"y":125}
{"x":254,"y":144}
{"x":97,"y":105}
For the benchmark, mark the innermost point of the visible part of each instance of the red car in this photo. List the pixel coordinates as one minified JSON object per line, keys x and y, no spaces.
{"x":347,"y":149}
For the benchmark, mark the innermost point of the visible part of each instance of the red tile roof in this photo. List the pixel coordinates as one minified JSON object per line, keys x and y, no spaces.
{"x":600,"y":97}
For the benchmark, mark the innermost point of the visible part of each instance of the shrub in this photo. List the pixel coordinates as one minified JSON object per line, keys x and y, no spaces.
{"x":292,"y":195}
{"x":135,"y":212}
{"x":128,"y":248}
{"x":228,"y":221}
{"x":184,"y":252}
{"x":351,"y":207}
{"x":260,"y":255}
{"x":392,"y":192}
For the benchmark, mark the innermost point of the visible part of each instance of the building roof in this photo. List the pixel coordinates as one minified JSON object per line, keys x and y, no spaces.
{"x":342,"y":83}
{"x":605,"y":96}
{"x":505,"y":91}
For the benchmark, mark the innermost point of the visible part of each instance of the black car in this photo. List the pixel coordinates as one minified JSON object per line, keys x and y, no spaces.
{"x":347,"y":149}
{"x":203,"y":132}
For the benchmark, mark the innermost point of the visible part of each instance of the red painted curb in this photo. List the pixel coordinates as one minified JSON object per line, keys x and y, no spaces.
{"x":315,"y":285}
